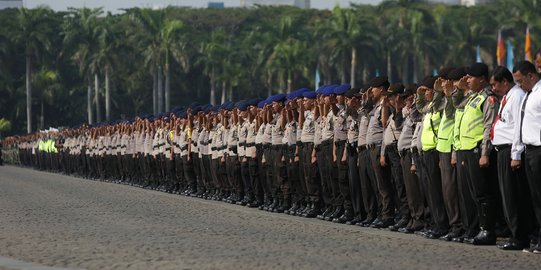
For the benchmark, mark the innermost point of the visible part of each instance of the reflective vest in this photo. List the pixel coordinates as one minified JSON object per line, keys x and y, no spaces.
{"x":472,"y":125}
{"x":445,"y":134}
{"x":456,"y":134}
{"x":429,"y":134}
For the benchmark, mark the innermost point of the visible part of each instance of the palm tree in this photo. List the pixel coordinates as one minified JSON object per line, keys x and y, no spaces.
{"x":82,"y":33}
{"x":46,"y":81}
{"x":170,"y":41}
{"x":212,"y":52}
{"x":34,"y":35}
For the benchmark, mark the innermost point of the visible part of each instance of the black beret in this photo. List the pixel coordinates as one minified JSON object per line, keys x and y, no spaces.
{"x":428,"y":81}
{"x":444,"y":72}
{"x":396,"y":89}
{"x":409,"y":90}
{"x":381,"y":81}
{"x":352,"y":92}
{"x":478,"y":70}
{"x":457,"y":74}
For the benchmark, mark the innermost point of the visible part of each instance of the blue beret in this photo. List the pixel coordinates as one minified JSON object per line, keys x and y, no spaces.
{"x":329,"y":90}
{"x":277,"y":98}
{"x":292,"y":95}
{"x":341,"y":89}
{"x":309,"y":94}
{"x":262,"y":104}
{"x":319,"y":91}
{"x":242,"y":105}
{"x":194,"y":104}
{"x":254,"y":101}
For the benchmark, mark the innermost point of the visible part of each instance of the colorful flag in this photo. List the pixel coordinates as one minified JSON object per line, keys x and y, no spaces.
{"x":510,"y":56}
{"x":318,"y":79}
{"x":478,"y":56}
{"x":527,"y":46}
{"x":500,"y":50}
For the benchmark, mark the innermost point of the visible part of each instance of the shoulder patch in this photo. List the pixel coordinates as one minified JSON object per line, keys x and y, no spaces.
{"x":491,"y":101}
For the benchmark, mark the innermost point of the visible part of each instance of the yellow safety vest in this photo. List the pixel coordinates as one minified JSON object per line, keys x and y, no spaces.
{"x":445,"y":134}
{"x":456,"y":134}
{"x":429,"y":134}
{"x":472,"y":124}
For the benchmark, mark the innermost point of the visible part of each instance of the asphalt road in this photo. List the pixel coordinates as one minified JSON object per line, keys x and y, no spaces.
{"x":65,"y":222}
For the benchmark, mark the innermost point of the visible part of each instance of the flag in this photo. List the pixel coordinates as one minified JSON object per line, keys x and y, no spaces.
{"x":317,"y":78}
{"x":500,"y":50}
{"x":478,"y":56}
{"x":527,"y":46}
{"x":510,"y":56}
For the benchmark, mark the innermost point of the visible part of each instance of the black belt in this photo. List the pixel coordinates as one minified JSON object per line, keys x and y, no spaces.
{"x":305,"y":144}
{"x":250,"y":144}
{"x":372,"y":145}
{"x":242,"y":144}
{"x":530,"y":147}
{"x":502,"y":147}
{"x":353,"y":145}
{"x":278,"y":146}
{"x":361,"y":148}
{"x":404,"y":152}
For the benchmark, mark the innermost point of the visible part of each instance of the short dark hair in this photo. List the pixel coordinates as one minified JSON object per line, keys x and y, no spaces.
{"x":501,"y":73}
{"x":525,"y":68}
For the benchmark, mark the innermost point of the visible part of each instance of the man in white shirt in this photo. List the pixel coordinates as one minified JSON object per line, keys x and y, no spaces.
{"x":528,"y":135}
{"x":513,"y":185}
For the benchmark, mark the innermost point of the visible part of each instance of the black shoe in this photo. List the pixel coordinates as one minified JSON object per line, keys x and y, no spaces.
{"x":292,"y":210}
{"x":407,"y":230}
{"x":385,"y":223}
{"x":484,"y":238}
{"x":347,"y":216}
{"x":355,"y":220}
{"x":338,"y":211}
{"x":253,"y":204}
{"x":403,"y":222}
{"x":366,"y":222}
{"x":512,"y":245}
{"x":451,"y":235}
{"x":312,"y":212}
{"x":328,"y":211}
{"x":435,"y":234}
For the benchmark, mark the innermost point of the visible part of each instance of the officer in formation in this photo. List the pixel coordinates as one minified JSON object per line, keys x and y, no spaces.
{"x":456,"y":157}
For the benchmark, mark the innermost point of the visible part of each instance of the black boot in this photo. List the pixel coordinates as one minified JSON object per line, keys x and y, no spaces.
{"x":486,"y":236}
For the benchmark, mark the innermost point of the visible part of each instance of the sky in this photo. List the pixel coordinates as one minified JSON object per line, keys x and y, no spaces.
{"x":114,"y":5}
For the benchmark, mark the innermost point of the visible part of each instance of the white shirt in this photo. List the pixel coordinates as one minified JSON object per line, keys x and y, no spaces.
{"x":531,"y":126}
{"x":504,"y":128}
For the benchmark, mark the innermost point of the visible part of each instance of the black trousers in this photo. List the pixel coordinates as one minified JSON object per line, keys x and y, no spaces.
{"x":354,"y":181}
{"x":293,"y":175}
{"x":515,"y":193}
{"x":368,"y":182}
{"x":415,"y":196}
{"x":328,"y":174}
{"x":532,"y":162}
{"x":310,"y":173}
{"x":267,"y":168}
{"x":484,"y":187}
{"x":281,"y":183}
{"x":466,"y":202}
{"x":343,"y":196}
{"x":397,"y":177}
{"x":432,"y":178}
{"x":383,"y":179}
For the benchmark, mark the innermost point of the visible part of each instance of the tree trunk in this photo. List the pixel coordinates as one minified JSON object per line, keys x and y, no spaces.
{"x":107,"y":96}
{"x":343,"y":79}
{"x":289,"y":81}
{"x":42,"y":116}
{"x":167,"y":88}
{"x":415,"y":69}
{"x":389,"y":66}
{"x":427,"y":64}
{"x":230,"y":91}
{"x":224,"y":89}
{"x":89,"y":102}
{"x":160,"y":89}
{"x":212,"y":88}
{"x":269,"y":85}
{"x":97,"y":97}
{"x":28,"y":93}
{"x":353,"y":66}
{"x":405,"y":71}
{"x":155,"y":91}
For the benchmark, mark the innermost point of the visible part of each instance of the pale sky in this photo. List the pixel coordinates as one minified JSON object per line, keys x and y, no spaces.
{"x":114,"y":5}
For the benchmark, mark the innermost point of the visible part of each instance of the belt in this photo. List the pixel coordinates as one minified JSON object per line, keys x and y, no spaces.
{"x":305,"y":144}
{"x":250,"y":145}
{"x":353,"y":144}
{"x":242,"y":144}
{"x":501,"y":147}
{"x":530,"y":147}
{"x":361,"y":148}
{"x":372,"y":145}
{"x":278,"y":146}
{"x":404,"y":152}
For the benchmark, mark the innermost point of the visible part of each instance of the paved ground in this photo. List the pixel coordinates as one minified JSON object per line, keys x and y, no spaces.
{"x":66,"y":222}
